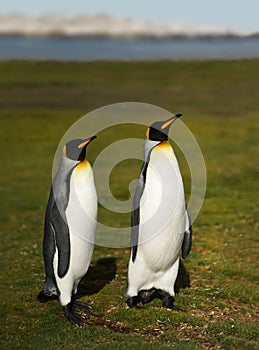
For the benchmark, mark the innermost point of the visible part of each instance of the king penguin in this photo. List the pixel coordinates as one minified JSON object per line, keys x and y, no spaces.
{"x":160,"y":223}
{"x":69,"y":230}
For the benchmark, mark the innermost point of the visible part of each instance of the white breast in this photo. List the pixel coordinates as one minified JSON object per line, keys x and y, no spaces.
{"x":81,"y":211}
{"x":162,"y":206}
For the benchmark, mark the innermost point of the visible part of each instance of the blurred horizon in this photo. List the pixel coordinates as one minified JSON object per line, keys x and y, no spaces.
{"x":64,"y":24}
{"x":241,"y":16}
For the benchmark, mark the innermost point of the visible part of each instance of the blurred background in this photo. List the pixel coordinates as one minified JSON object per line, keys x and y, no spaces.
{"x":129,"y":30}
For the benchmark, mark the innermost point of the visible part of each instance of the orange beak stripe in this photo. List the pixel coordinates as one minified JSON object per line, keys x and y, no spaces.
{"x":166,"y":124}
{"x":83,"y":144}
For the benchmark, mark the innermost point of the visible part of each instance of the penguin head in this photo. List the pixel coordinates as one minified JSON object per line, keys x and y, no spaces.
{"x":158,"y":131}
{"x":76,"y":149}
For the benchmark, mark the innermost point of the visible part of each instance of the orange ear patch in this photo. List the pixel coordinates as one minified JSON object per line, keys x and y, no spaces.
{"x":147,"y":133}
{"x":65,"y":150}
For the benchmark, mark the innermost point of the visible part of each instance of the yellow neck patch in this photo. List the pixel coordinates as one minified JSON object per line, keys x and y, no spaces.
{"x":163,"y":144}
{"x":83,"y":164}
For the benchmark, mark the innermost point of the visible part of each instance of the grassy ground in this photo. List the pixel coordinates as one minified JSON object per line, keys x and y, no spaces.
{"x":219,"y":100}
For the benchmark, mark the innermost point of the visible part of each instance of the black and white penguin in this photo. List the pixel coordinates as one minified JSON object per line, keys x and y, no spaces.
{"x":160,"y":223}
{"x":69,"y":231}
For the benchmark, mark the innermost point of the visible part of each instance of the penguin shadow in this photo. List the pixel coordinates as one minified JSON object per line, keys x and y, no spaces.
{"x":98,"y":275}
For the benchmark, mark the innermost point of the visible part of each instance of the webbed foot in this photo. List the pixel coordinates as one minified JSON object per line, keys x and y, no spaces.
{"x":75,"y":313}
{"x":132,"y":301}
{"x":168,"y":301}
{"x":44,"y":297}
{"x":146,"y":295}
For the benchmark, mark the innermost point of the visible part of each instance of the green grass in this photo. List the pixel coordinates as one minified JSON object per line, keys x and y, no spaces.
{"x":219,"y":100}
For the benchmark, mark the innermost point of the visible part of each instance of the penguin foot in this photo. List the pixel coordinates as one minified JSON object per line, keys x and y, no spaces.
{"x":74,"y":312}
{"x":146,"y":295}
{"x":44,"y":297}
{"x":78,"y":306}
{"x":168,"y":301}
{"x":132,"y":301}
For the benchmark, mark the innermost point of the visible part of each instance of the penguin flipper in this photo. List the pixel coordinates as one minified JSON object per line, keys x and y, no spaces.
{"x":135,"y":217}
{"x":134,"y":232}
{"x":49,"y":286}
{"x":61,"y":232}
{"x":187,"y":240}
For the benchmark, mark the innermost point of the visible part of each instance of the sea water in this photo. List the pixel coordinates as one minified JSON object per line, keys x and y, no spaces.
{"x":87,"y":49}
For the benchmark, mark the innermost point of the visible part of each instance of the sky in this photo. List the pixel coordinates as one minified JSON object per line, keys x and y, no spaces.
{"x":233,"y":14}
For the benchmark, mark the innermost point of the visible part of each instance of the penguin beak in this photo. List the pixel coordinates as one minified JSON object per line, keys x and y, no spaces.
{"x":86,"y":141}
{"x":169,"y":121}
